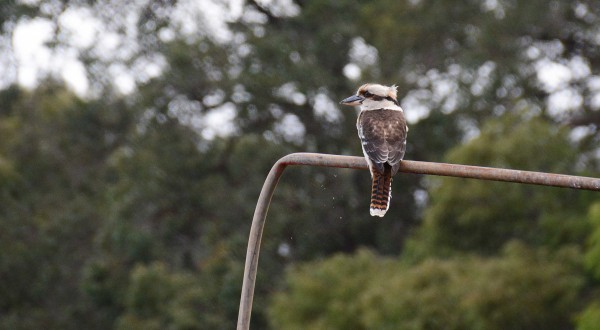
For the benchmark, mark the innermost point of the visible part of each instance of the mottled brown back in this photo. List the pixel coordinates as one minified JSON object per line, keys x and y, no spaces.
{"x":383,"y":136}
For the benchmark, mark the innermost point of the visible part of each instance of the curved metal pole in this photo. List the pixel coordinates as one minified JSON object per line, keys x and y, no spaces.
{"x":407,"y":166}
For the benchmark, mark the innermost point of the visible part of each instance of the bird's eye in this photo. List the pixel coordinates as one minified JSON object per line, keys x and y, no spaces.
{"x":367,"y":94}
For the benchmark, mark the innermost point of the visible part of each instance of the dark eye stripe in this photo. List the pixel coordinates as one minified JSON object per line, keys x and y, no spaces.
{"x":377,"y":97}
{"x":391,"y":99}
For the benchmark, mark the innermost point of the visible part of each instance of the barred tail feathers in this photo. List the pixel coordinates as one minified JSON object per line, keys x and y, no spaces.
{"x":381,"y":192}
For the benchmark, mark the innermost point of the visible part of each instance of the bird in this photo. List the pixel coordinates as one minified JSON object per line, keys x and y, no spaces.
{"x":382,"y":131}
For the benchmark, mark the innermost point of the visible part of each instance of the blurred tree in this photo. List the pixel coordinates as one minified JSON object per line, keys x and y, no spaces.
{"x":52,"y":152}
{"x":160,"y":184}
{"x":520,"y":289}
{"x":592,"y":258}
{"x":158,"y":299}
{"x":479,"y":216}
{"x":590,"y":317}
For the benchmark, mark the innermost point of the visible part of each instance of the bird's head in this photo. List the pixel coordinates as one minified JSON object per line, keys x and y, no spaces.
{"x":373,"y":96}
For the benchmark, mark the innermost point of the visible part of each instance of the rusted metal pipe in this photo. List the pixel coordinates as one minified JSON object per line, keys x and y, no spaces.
{"x":407,"y":166}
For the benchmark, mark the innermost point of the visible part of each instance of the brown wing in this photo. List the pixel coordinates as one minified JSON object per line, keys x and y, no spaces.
{"x":383,"y":136}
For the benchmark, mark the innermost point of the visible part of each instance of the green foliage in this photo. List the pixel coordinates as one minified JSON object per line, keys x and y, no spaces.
{"x":479,"y":216}
{"x":54,"y":145}
{"x":126,"y":211}
{"x":592,"y":257}
{"x":589,"y":318}
{"x":159,"y":299}
{"x":520,"y":289}
{"x":326,"y":294}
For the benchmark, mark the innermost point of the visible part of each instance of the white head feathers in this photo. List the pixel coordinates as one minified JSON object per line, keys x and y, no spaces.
{"x":379,"y":90}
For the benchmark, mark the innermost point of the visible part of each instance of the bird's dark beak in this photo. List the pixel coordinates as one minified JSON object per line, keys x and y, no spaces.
{"x":352,"y":100}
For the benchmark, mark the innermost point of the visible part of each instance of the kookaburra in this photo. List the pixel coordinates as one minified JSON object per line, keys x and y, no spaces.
{"x":382,"y":130}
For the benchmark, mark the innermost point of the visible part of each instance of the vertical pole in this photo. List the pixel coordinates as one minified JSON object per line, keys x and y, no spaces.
{"x":256,"y":231}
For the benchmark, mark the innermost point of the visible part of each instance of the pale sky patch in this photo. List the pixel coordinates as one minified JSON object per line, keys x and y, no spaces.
{"x":289,"y":91}
{"x":362,"y":53}
{"x":205,"y":17}
{"x":580,"y":132}
{"x":281,"y":8}
{"x":29,"y":39}
{"x":415,"y":105}
{"x":567,"y":99}
{"x":352,"y":71}
{"x":218,"y":122}
{"x":291,"y":128}
{"x":326,"y":109}
{"x":75,"y":76}
{"x":80,"y":26}
{"x":553,"y":75}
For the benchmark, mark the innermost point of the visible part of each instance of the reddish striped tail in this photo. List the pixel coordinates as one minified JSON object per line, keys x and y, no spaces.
{"x":381,"y":192}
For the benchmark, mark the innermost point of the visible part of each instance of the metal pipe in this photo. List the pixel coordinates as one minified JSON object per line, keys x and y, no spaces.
{"x":256,"y":230}
{"x":407,"y":166}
